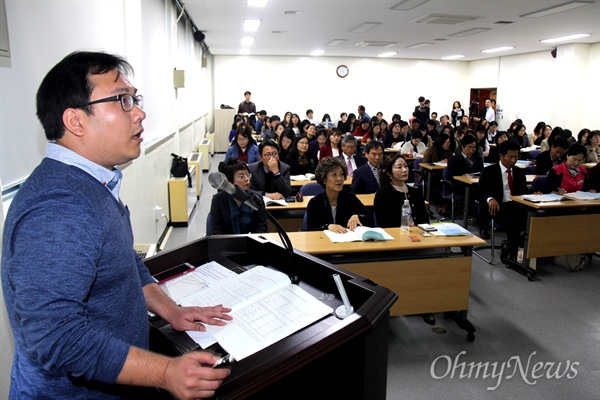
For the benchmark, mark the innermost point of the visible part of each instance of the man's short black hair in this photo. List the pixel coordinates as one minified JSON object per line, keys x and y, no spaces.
{"x":267,"y":143}
{"x":505,"y":147}
{"x":247,"y":92}
{"x":561,"y":142}
{"x":373,"y":144}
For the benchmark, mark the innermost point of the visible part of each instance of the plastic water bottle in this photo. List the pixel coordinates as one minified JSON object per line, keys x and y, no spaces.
{"x":406,"y":217}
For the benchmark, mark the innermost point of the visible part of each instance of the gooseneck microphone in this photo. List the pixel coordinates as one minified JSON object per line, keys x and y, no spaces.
{"x":219,"y":181}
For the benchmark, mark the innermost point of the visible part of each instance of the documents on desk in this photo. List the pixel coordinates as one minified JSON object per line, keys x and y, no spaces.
{"x":272,"y":202}
{"x":580,"y":195}
{"x":305,"y":177}
{"x":360,"y":234}
{"x":449,"y":229}
{"x":542,"y":198}
{"x":266,"y":307}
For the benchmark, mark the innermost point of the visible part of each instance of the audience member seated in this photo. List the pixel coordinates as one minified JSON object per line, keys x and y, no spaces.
{"x":363,"y":129}
{"x":569,"y":176}
{"x":300,"y":159}
{"x":270,"y":177}
{"x":285,"y":143}
{"x":374,"y":133}
{"x":310,"y":130}
{"x":497,"y":183}
{"x":230,"y":216}
{"x":295,"y":124}
{"x":392,"y":193}
{"x":430,"y":132}
{"x":236,"y":122}
{"x":415,"y":146}
{"x":547,"y":143}
{"x":582,"y":136}
{"x":491,"y":131}
{"x":440,"y":150}
{"x":594,"y":178}
{"x":483,"y":147}
{"x":351,"y":160}
{"x":322,"y":140}
{"x":520,"y":136}
{"x":278,"y":132}
{"x":467,"y":162}
{"x":551,"y":158}
{"x":349,"y":125}
{"x":366,"y":178}
{"x":333,"y":147}
{"x":335,"y":208}
{"x":397,"y":134}
{"x":592,"y":146}
{"x":493,"y":156}
{"x":243,"y":147}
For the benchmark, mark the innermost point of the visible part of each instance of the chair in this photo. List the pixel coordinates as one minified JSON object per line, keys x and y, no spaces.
{"x":419,"y":175}
{"x":448,"y":193}
{"x":530,"y":170}
{"x":491,"y":246}
{"x":304,"y":223}
{"x":532,"y":155}
{"x":311,"y":189}
{"x":208,"y":225}
{"x":540,"y":185}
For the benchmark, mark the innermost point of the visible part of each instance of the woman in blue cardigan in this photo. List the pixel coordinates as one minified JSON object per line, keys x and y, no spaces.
{"x":243,"y":146}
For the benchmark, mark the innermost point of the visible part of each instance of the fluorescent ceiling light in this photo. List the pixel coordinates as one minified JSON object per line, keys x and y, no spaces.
{"x":367,"y":26}
{"x":557,"y":9}
{"x":336,"y":42}
{"x":497,"y":49}
{"x":406,"y":5}
{"x":251,"y":25}
{"x":257,"y":3}
{"x":247,"y":41}
{"x":244,"y":51}
{"x":419,"y":45}
{"x":454,"y":57}
{"x":565,"y":38}
{"x":469,"y":32}
{"x":388,"y":54}
{"x":317,"y":52}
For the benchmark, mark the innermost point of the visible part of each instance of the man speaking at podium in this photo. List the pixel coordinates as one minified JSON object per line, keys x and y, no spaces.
{"x":75,"y":290}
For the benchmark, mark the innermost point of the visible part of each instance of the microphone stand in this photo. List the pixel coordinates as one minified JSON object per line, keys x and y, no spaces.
{"x":259,"y":205}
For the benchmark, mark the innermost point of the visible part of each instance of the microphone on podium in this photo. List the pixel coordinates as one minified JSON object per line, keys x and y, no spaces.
{"x":219,"y":181}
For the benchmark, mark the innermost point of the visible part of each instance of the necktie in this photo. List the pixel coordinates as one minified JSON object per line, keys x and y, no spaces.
{"x":376,"y":173}
{"x":349,"y":163}
{"x":510,"y":181}
{"x":470,"y":162}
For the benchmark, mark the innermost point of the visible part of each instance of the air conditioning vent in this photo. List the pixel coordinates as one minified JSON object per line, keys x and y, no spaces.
{"x":440,"y":19}
{"x":368,"y":43}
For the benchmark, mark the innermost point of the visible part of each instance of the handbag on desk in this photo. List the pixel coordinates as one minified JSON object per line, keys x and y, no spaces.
{"x":179,"y":168}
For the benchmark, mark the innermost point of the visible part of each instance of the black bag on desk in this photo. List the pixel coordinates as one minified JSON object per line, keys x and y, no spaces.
{"x":179,"y":168}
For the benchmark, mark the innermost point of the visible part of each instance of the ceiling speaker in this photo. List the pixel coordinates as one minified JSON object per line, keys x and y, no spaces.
{"x":553,"y":53}
{"x":199,"y":36}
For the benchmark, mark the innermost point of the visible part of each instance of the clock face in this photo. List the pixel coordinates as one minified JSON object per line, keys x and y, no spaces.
{"x":342,"y":71}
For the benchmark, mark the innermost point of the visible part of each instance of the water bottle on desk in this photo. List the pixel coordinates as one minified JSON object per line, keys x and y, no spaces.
{"x":406,"y":217}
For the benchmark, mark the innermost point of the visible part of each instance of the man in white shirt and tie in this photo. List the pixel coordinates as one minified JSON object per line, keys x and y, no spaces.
{"x":348,"y":156}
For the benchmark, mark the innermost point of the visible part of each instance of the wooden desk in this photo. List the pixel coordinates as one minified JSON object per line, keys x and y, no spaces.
{"x":427,"y":276}
{"x":299,"y":184}
{"x":431,"y":168}
{"x":291,"y":216}
{"x":472,"y":181}
{"x":559,"y":228}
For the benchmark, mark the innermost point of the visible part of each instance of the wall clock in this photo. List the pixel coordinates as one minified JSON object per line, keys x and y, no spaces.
{"x":342,"y":71}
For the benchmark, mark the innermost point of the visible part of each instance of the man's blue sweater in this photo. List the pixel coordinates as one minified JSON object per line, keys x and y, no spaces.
{"x":72,"y":285}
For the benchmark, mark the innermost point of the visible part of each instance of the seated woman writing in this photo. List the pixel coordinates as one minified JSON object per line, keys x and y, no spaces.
{"x":229,"y":216}
{"x":392,"y":193}
{"x":569,"y":176}
{"x":335,"y":208}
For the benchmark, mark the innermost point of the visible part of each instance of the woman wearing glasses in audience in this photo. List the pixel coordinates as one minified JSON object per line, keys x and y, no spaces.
{"x":300,"y":159}
{"x":243,"y":146}
{"x":335,"y":209}
{"x":230,"y":216}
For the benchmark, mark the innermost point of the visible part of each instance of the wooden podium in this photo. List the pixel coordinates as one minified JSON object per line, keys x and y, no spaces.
{"x":332,"y":358}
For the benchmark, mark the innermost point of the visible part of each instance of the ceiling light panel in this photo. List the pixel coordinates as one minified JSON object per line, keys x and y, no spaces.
{"x":469,"y":32}
{"x":367,"y":26}
{"x":497,"y":49}
{"x":557,"y":9}
{"x":408,"y":4}
{"x":419,"y":45}
{"x":454,"y":57}
{"x":336,"y":42}
{"x":247,"y":41}
{"x":257,"y":3}
{"x":565,"y":38}
{"x":251,"y":25}
{"x":440,"y":19}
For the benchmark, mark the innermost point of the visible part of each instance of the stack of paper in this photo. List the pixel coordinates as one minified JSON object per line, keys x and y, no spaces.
{"x":579,"y":195}
{"x":305,"y":177}
{"x":271,"y":202}
{"x":360,"y":234}
{"x":542,"y":198}
{"x":449,"y":229}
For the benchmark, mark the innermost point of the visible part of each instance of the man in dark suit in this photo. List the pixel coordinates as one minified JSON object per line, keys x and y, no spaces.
{"x":497,"y":183}
{"x":348,"y":156}
{"x":550,"y":158}
{"x":466,"y":162}
{"x":366,"y":178}
{"x":270,"y":176}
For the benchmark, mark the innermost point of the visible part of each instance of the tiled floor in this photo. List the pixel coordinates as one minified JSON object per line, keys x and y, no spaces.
{"x":554,"y":320}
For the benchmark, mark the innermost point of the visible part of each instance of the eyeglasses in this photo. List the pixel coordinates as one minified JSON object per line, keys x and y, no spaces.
{"x":247,"y":175}
{"x":127,"y":101}
{"x":273,"y":154}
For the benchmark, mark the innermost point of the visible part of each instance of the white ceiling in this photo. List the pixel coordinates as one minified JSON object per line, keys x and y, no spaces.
{"x":323,"y":21}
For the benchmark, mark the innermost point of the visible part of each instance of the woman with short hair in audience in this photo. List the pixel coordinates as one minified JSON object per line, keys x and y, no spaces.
{"x":493,"y":156}
{"x":520,"y":135}
{"x":310,"y":131}
{"x":448,"y":130}
{"x":592,"y":147}
{"x":322,"y":140}
{"x":335,"y":209}
{"x":395,"y":135}
{"x":569,"y":176}
{"x":301,"y":159}
{"x":457,"y":113}
{"x":582,"y":136}
{"x":285,"y":143}
{"x":373,"y":134}
{"x":547,"y":143}
{"x":234,"y":126}
{"x":243,"y":146}
{"x":414,"y":146}
{"x":228,"y":215}
{"x":363,"y":129}
{"x":334,"y":147}
{"x":390,"y":196}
